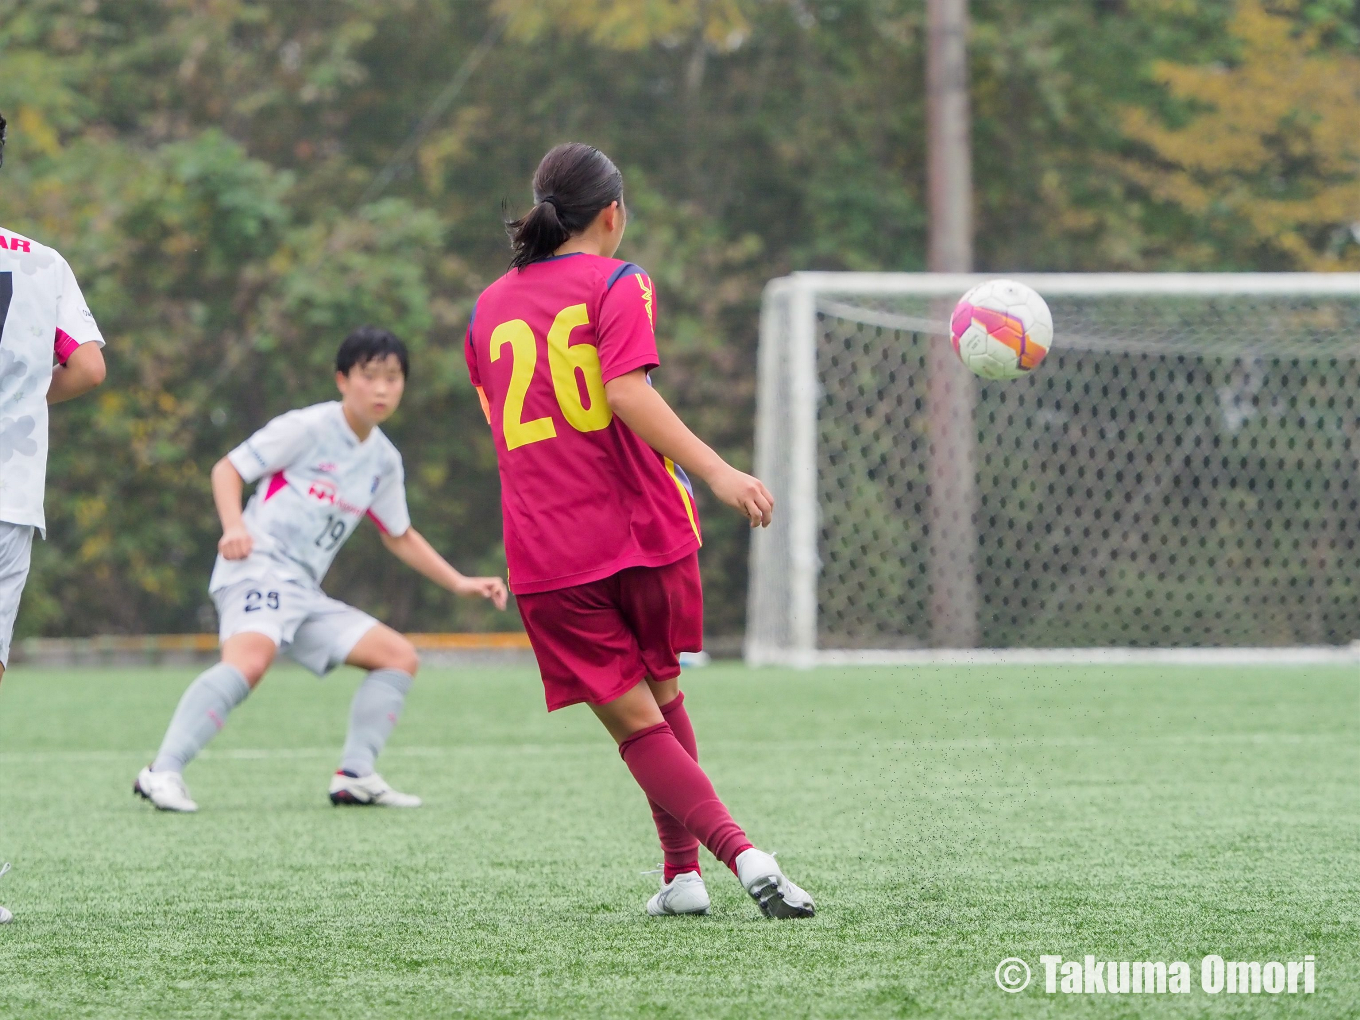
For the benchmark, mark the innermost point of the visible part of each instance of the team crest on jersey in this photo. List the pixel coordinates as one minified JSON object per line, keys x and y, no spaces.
{"x":374,"y":487}
{"x":646,"y":286}
{"x":323,"y":489}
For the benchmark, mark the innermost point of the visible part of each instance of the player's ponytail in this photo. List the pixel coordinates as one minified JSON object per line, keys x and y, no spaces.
{"x":571,"y":185}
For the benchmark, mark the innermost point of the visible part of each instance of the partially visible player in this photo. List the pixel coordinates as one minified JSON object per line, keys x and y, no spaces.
{"x":601,"y":531}
{"x":43,"y":319}
{"x":322,"y":470}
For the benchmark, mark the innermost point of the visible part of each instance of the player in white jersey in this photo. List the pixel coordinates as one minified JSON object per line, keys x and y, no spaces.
{"x":321,"y":471}
{"x":43,"y":319}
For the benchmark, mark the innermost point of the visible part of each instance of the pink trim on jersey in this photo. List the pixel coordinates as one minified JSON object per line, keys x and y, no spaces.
{"x":64,"y":345}
{"x":374,"y":518}
{"x":276,"y":483}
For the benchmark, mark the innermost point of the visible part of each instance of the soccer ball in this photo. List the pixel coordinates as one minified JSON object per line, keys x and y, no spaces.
{"x":1001,"y":329}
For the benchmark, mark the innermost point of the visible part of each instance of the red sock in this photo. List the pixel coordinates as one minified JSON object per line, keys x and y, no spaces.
{"x":674,"y":781}
{"x":680,"y":847}
{"x":674,"y":713}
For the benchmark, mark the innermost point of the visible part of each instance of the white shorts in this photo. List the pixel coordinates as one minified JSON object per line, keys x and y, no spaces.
{"x":306,"y":624}
{"x":16,"y":548}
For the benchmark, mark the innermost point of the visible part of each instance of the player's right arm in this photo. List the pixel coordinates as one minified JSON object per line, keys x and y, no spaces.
{"x":269,"y":450}
{"x":627,"y":351}
{"x":227,"y":487}
{"x":646,"y":412}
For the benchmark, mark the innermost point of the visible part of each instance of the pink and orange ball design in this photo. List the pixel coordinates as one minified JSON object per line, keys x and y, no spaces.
{"x":1001,"y":329}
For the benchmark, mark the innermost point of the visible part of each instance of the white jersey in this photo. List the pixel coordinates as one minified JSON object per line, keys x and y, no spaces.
{"x":42,"y":317}
{"x":319,"y":482}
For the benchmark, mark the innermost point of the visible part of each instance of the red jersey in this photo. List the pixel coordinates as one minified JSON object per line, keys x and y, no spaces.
{"x":582,"y":496}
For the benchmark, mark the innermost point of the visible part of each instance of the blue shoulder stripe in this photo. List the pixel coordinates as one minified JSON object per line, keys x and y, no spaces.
{"x":627,"y":269}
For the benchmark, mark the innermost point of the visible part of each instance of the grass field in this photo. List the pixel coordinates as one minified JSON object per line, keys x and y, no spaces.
{"x":943,"y":818}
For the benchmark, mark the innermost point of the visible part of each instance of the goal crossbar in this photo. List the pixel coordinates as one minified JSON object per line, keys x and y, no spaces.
{"x":1076,"y":284}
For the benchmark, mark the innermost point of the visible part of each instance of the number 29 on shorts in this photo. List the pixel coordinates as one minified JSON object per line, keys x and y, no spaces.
{"x":564,"y":361}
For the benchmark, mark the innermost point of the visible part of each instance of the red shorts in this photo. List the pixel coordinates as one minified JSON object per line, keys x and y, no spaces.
{"x":594,"y":642}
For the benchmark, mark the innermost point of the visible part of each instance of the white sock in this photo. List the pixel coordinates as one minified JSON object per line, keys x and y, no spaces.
{"x":202,"y":711}
{"x":374,"y":712}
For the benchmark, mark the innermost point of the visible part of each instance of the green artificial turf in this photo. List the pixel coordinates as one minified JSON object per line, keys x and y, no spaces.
{"x":943,"y":818}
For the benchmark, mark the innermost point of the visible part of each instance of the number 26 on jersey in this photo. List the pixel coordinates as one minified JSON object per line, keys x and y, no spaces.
{"x":563,"y":363}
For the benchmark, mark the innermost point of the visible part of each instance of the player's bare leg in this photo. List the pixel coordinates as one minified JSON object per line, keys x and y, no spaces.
{"x":673,"y":781}
{"x":630,"y":713}
{"x":381,"y":647}
{"x":391,"y":662}
{"x":250,"y":654}
{"x":201,"y":714}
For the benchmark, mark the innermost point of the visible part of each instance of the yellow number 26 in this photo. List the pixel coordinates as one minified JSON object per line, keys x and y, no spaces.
{"x":564,"y":361}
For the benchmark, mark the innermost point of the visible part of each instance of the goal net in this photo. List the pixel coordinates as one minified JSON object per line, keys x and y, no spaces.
{"x":1183,"y":471}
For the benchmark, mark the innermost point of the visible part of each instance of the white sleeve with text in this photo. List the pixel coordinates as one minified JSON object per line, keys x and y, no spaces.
{"x":73,"y":315}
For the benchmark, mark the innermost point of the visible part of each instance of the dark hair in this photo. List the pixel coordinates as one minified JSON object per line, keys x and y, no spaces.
{"x":571,"y":185}
{"x":2,"y":139}
{"x":368,"y":343}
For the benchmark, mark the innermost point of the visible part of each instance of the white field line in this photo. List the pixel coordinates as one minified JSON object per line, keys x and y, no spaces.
{"x":278,"y":753}
{"x":961,"y":743}
{"x":1348,"y":655}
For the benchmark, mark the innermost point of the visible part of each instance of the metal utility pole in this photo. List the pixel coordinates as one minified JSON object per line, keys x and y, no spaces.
{"x":952,"y":395}
{"x":949,"y":148}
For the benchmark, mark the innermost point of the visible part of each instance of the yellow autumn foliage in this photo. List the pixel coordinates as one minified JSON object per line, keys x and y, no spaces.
{"x":1273,"y":159}
{"x":630,"y":24}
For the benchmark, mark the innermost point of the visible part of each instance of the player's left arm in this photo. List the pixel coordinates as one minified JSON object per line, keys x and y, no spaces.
{"x":76,"y":344}
{"x":83,"y":371}
{"x":412,"y":549}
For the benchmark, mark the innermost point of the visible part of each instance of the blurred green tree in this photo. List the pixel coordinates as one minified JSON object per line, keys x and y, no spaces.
{"x":204,"y":165}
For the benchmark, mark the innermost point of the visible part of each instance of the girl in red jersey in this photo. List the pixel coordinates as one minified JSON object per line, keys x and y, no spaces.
{"x":601,"y":530}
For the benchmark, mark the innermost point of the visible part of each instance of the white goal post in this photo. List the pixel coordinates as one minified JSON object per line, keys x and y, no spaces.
{"x":1182,"y":473}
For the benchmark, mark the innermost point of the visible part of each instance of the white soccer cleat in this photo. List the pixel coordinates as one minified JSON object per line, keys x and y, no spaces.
{"x":684,"y":894}
{"x":776,"y":896}
{"x":164,"y":789}
{"x":5,"y":916}
{"x":371,"y":790}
